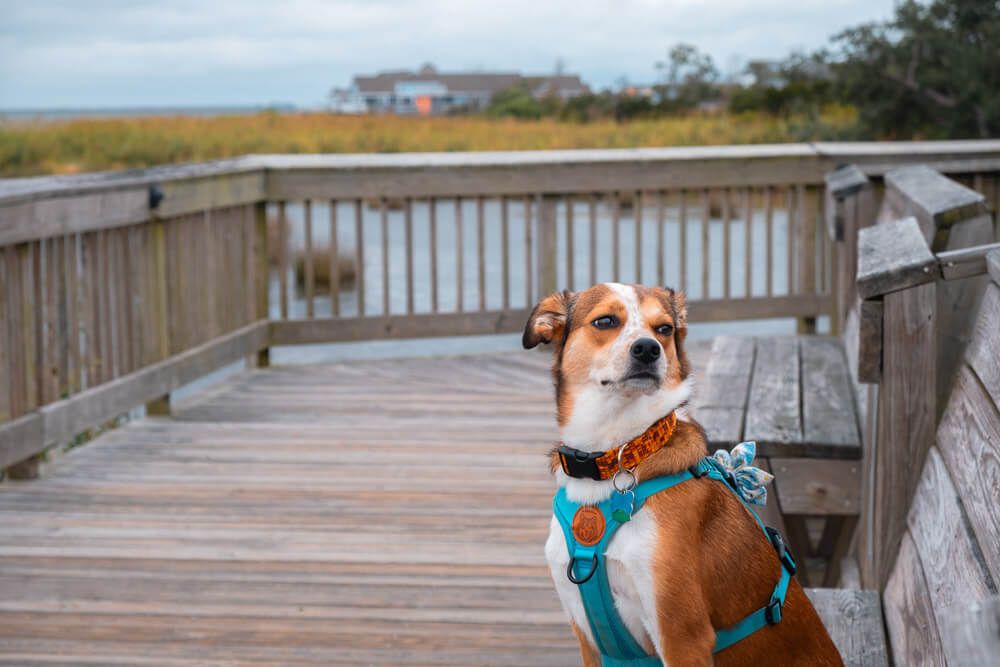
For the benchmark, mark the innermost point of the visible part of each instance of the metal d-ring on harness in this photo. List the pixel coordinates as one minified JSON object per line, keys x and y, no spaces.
{"x":623,"y":504}
{"x":615,"y":642}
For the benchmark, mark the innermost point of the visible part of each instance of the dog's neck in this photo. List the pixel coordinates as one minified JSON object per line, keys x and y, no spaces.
{"x":601,"y":420}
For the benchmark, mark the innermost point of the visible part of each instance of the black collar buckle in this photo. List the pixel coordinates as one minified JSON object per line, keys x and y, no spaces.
{"x":580,"y":464}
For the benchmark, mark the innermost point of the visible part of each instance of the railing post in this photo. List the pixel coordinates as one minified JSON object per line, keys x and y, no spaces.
{"x":848,"y":208}
{"x":896,"y":266}
{"x":951,"y":217}
{"x":806,"y":246}
{"x":262,"y":274}
{"x":161,"y":316}
{"x":547,"y":245}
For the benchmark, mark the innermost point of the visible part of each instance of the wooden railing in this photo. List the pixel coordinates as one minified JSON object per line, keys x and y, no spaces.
{"x":118,"y":288}
{"x":920,"y":274}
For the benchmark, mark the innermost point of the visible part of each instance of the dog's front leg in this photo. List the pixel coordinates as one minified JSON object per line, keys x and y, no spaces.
{"x":590,"y":656}
{"x":686,"y":633}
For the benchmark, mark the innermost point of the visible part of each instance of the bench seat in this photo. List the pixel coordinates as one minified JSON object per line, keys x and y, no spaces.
{"x":792,"y":395}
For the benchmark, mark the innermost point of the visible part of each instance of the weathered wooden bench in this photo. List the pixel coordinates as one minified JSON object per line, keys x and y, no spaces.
{"x":897,"y":423}
{"x":793,"y":396}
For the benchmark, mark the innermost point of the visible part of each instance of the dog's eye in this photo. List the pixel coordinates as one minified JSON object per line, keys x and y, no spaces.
{"x":665,"y":329}
{"x":605,"y":322}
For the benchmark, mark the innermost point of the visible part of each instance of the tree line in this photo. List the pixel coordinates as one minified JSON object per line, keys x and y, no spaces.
{"x":931,"y":71}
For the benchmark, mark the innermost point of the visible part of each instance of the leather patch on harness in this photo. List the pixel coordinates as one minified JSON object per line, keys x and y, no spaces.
{"x":588,"y":526}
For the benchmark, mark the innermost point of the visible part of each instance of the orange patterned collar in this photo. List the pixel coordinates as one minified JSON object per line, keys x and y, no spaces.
{"x":603,"y":465}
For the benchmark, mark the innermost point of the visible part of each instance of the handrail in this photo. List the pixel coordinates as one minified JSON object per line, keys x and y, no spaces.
{"x":105,"y":276}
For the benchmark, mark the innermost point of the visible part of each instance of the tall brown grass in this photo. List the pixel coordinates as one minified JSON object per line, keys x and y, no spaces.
{"x":59,"y":147}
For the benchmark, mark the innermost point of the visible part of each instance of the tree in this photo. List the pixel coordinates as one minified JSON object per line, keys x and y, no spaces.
{"x":933,"y":70}
{"x":689,"y":77}
{"x":517,"y":102}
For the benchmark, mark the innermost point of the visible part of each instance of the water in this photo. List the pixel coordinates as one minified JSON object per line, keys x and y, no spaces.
{"x":447,"y":252}
{"x":133,"y":112}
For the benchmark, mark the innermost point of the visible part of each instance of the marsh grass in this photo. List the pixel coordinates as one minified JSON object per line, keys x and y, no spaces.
{"x":60,"y":147}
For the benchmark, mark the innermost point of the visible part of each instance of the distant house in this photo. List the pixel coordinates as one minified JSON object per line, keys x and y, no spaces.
{"x":428,"y":92}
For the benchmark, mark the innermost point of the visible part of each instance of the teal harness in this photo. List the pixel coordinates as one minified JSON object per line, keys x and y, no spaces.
{"x":616,"y":644}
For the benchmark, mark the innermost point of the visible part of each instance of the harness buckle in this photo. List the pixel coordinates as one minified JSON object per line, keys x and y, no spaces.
{"x":772,"y":612}
{"x":784,"y":555}
{"x":578,"y":463}
{"x":697,"y":471}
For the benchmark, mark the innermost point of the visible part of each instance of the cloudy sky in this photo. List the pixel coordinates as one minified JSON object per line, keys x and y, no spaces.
{"x":110,"y":53}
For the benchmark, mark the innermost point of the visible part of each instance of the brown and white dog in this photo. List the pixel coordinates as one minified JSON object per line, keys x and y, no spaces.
{"x":692,"y":560}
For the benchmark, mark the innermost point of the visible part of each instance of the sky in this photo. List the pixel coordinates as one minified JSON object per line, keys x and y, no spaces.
{"x":116,"y":53}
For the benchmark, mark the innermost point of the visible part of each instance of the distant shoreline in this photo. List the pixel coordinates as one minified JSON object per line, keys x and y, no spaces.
{"x":138,"y":112}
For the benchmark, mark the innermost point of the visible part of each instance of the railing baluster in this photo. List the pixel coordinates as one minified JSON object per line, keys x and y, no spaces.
{"x":682,"y":240}
{"x":20,"y":388}
{"x":51,"y":319}
{"x":310,"y":276}
{"x":432,"y":210}
{"x":408,"y":231}
{"x":359,"y":254}
{"x":383,"y":210}
{"x":637,"y":225}
{"x":615,"y":240}
{"x":747,"y":243}
{"x":283,"y":259}
{"x":38,"y":286}
{"x":726,"y":254}
{"x":505,"y":252}
{"x":6,"y":361}
{"x":769,"y":242}
{"x":249,"y":264}
{"x":592,"y":211}
{"x":72,"y":312}
{"x":334,"y":261}
{"x":459,"y":256}
{"x":481,"y":252}
{"x":570,"y":246}
{"x":791,"y":206}
{"x":660,"y":259}
{"x":706,"y":214}
{"x":528,"y":271}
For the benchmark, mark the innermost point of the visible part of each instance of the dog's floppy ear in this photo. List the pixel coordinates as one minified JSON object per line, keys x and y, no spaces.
{"x":678,"y":306}
{"x":547,"y":321}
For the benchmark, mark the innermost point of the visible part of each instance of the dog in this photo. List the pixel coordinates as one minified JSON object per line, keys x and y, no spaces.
{"x":692,"y":560}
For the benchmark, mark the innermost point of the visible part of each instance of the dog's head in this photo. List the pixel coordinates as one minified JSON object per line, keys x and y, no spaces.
{"x":618,"y":349}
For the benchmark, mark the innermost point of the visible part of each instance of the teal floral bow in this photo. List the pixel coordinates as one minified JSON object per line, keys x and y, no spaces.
{"x":748,"y":481}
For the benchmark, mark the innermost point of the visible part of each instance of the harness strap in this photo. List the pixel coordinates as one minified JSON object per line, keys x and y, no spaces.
{"x":615,"y":642}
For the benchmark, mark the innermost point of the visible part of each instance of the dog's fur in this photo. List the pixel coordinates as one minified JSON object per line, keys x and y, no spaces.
{"x":693,"y":559}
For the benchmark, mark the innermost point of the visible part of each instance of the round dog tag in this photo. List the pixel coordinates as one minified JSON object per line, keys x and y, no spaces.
{"x":588,"y":525}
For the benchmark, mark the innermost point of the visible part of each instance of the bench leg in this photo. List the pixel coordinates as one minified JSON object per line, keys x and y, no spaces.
{"x":798,"y":540}
{"x":837,"y":535}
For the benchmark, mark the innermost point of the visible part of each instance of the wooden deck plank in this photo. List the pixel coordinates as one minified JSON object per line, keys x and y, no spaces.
{"x":773,"y":412}
{"x":828,"y":412}
{"x":377,"y":513}
{"x":854,"y":620}
{"x":339,"y":514}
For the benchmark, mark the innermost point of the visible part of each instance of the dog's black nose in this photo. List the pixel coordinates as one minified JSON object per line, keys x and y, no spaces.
{"x":646,"y":350}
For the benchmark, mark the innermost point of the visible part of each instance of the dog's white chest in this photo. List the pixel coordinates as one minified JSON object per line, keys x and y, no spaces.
{"x":630,"y":577}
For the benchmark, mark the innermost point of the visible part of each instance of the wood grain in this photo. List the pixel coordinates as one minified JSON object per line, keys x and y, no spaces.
{"x":828,"y":413}
{"x":854,"y":620}
{"x":893,"y":256}
{"x":912,"y":628}
{"x":949,"y":554}
{"x":906,"y":414}
{"x":968,"y":438}
{"x":773,"y":414}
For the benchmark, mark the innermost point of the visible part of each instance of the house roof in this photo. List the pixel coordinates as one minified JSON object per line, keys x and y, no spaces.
{"x":490,"y":82}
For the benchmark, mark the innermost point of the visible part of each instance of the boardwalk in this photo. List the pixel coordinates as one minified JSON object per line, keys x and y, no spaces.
{"x":387,"y":512}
